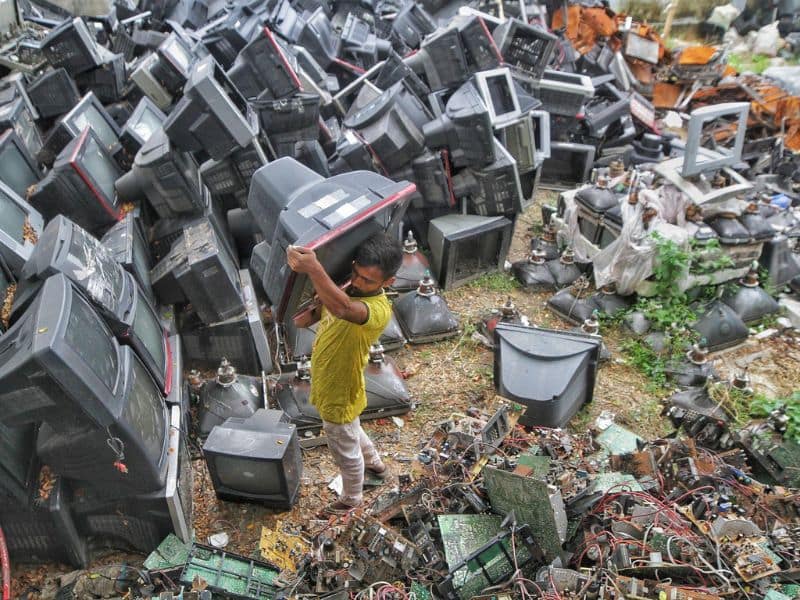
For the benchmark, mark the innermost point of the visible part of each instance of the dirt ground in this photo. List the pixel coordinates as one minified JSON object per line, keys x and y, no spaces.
{"x":446,"y":378}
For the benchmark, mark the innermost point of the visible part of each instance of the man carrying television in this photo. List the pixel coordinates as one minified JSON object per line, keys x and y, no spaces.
{"x":350,"y":321}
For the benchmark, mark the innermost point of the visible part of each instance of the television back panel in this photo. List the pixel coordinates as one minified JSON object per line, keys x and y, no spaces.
{"x":551,"y":372}
{"x":43,"y":530}
{"x":208,"y":276}
{"x":464,"y":247}
{"x":65,"y":247}
{"x":72,"y":46}
{"x":53,"y":93}
{"x":332,"y":217}
{"x":125,"y":242}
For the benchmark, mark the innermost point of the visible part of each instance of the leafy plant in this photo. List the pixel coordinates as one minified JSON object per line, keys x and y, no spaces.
{"x":671,"y":263}
{"x":761,"y":406}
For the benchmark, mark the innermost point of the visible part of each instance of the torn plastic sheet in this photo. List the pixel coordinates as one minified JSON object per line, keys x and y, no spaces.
{"x":629,"y":259}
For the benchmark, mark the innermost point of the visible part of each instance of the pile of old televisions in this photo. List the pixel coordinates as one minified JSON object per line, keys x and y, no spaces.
{"x":156,"y":162}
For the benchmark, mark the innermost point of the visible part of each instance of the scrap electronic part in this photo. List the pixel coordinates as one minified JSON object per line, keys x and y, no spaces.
{"x":381,"y":553}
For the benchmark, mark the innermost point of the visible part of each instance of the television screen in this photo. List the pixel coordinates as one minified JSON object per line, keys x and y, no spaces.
{"x":17,"y":169}
{"x":101,"y":167}
{"x":252,"y":477}
{"x":59,"y":362}
{"x":12,"y":218}
{"x":90,"y":113}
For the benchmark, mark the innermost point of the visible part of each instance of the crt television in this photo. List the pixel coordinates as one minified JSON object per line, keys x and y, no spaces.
{"x":60,"y":364}
{"x":256,"y":459}
{"x":332,"y":216}
{"x":89,"y":112}
{"x":140,"y":427}
{"x":81,"y":185}
{"x":20,"y":227}
{"x":212,"y":115}
{"x":18,"y":170}
{"x":66,"y":248}
{"x":464,"y":247}
{"x":126,"y":243}
{"x":72,"y":46}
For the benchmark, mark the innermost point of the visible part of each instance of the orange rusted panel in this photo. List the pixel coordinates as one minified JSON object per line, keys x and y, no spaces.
{"x":696,"y":55}
{"x":665,"y":95}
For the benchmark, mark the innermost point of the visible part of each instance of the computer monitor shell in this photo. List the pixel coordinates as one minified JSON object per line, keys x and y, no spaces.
{"x":16,"y":245}
{"x":72,"y":46}
{"x":144,"y":79}
{"x":139,"y":431}
{"x":19,"y":114}
{"x":449,"y":232}
{"x":72,"y":124}
{"x":697,"y":160}
{"x":212,"y":115}
{"x":125,"y":242}
{"x":54,"y":93}
{"x":142,"y":123}
{"x":63,"y":360}
{"x":18,"y":170}
{"x":498,"y":91}
{"x":240,"y":445}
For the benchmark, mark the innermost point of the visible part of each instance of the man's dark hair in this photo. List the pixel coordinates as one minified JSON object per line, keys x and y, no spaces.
{"x":382,"y":251}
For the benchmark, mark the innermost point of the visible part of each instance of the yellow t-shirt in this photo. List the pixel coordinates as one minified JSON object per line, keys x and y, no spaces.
{"x":341,"y":351}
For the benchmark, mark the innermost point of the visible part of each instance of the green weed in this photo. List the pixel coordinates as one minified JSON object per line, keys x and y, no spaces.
{"x":496,"y":282}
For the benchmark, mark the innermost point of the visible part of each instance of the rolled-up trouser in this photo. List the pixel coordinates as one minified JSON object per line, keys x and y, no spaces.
{"x":351,"y":450}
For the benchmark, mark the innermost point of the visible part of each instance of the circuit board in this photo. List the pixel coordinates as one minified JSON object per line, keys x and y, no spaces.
{"x":282,"y":549}
{"x":464,"y":534}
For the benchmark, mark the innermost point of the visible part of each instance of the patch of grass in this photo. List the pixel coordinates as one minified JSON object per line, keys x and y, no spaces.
{"x":645,"y":359}
{"x":496,"y":282}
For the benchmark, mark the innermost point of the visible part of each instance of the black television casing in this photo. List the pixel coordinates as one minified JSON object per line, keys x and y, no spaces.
{"x":265,"y":437}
